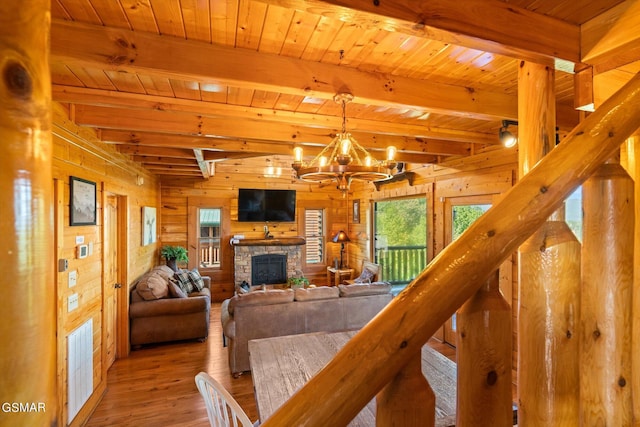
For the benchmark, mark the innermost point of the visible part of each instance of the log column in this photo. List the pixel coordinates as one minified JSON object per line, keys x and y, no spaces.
{"x":607,"y":282}
{"x":27,"y":330}
{"x":549,"y":277}
{"x":633,"y":148}
{"x":484,"y":359}
{"x":408,"y":399}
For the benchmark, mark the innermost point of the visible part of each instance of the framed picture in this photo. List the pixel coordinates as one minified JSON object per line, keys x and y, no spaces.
{"x":356,"y":211}
{"x":82,"y":202}
{"x":148,"y":225}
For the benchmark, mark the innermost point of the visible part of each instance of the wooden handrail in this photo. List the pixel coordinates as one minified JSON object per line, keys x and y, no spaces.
{"x":373,"y":356}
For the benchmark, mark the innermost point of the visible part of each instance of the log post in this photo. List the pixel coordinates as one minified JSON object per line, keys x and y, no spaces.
{"x":549,"y":277}
{"x":28,"y":327}
{"x":408,"y":399}
{"x":373,"y":357}
{"x":633,"y":148}
{"x":484,"y":396}
{"x":607,"y":282}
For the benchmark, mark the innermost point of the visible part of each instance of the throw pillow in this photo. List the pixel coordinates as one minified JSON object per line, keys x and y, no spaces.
{"x":321,"y":292}
{"x":365,"y":276}
{"x":152,"y":286}
{"x":242,"y":288}
{"x":196,"y":279}
{"x":176,"y":291}
{"x":362,"y":289}
{"x":183,"y":280}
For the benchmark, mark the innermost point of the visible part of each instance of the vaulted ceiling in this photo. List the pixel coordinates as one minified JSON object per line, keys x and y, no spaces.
{"x":180,"y":83}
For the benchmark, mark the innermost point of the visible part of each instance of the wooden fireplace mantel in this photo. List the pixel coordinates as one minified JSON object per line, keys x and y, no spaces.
{"x":280,"y":241}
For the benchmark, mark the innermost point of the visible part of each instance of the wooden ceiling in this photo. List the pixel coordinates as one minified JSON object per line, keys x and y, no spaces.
{"x":180,"y":83}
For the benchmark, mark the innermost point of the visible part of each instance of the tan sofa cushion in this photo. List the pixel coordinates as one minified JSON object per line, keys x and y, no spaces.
{"x":360,"y":289}
{"x":266,"y":297}
{"x":321,"y":292}
{"x":153,"y":286}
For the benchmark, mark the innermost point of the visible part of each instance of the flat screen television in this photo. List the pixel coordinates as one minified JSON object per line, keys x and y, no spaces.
{"x":266,"y":205}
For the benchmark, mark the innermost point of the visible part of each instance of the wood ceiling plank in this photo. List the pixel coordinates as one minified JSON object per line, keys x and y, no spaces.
{"x":486,"y":25}
{"x":214,"y":93}
{"x":81,"y":10}
{"x":240,"y":96}
{"x":59,"y":11}
{"x":224,"y":15}
{"x":276,"y":26}
{"x":156,"y":151}
{"x":93,"y":77}
{"x":61,"y":73}
{"x":136,"y":52}
{"x":157,"y":86}
{"x":150,"y":160}
{"x":300,"y":32}
{"x":262,"y":99}
{"x":168,"y":16}
{"x":185,"y":89}
{"x":196,"y":15}
{"x":320,"y":39}
{"x":140,"y":15}
{"x":111,"y":14}
{"x":251,"y":16}
{"x":125,"y":82}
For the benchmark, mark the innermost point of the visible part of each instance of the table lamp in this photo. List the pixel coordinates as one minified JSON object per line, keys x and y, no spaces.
{"x":341,"y":237}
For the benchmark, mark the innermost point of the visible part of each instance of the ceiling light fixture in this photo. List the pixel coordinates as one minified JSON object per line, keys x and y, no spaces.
{"x":506,"y":138}
{"x":343,"y":160}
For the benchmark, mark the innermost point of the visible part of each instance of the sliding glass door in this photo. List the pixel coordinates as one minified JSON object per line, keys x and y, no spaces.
{"x":400,"y":229}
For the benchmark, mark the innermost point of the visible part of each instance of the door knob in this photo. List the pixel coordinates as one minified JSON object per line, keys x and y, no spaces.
{"x":117,"y":286}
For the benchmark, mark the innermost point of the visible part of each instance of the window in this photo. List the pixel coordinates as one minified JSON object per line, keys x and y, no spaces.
{"x":314,"y":235}
{"x":573,"y":213}
{"x":209,"y":220}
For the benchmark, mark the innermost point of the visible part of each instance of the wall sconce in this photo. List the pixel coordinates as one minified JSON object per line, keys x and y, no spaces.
{"x":506,"y":138}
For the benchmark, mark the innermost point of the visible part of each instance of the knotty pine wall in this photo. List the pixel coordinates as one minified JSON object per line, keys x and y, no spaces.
{"x":222,"y":190}
{"x":76,"y":152}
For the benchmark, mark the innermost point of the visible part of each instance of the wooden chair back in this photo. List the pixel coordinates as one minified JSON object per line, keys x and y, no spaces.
{"x":222,"y":408}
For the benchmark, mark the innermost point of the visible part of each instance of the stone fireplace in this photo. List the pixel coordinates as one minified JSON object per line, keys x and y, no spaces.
{"x":269,"y":253}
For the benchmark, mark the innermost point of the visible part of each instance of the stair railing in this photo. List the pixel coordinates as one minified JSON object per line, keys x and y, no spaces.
{"x":374,"y":356}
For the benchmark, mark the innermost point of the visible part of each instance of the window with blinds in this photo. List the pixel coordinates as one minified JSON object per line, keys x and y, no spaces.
{"x":314,"y":235}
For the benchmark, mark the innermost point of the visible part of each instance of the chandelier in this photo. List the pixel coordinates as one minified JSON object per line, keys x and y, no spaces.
{"x":343,"y":160}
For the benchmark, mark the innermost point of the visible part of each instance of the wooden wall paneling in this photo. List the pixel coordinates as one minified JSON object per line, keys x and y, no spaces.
{"x":78,"y":152}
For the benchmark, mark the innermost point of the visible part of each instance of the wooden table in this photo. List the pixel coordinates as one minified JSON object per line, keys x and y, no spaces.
{"x":282,"y":365}
{"x":336,"y":275}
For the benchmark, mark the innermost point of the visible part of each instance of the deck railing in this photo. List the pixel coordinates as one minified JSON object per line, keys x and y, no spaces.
{"x":375,"y":357}
{"x":401,"y":264}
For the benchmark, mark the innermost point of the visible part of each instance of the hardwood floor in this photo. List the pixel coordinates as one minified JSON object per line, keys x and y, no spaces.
{"x":155,"y":385}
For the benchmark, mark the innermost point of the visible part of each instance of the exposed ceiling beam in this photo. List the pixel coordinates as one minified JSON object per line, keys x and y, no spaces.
{"x":105,"y":98}
{"x":202,"y":164}
{"x":612,"y":39}
{"x":84,"y":45}
{"x":191,"y":124}
{"x":431,"y":147}
{"x":486,"y":25}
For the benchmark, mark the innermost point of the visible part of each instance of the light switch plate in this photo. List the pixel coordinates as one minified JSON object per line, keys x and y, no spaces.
{"x":73,"y":278}
{"x":72,"y":302}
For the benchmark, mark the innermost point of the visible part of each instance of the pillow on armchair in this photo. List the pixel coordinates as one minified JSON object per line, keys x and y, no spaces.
{"x":365,"y":276}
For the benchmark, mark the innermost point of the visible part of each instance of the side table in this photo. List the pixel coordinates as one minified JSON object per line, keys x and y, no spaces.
{"x":335,"y":276}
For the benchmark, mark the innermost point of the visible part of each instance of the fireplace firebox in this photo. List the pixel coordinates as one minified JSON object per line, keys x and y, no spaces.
{"x":268,"y":269}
